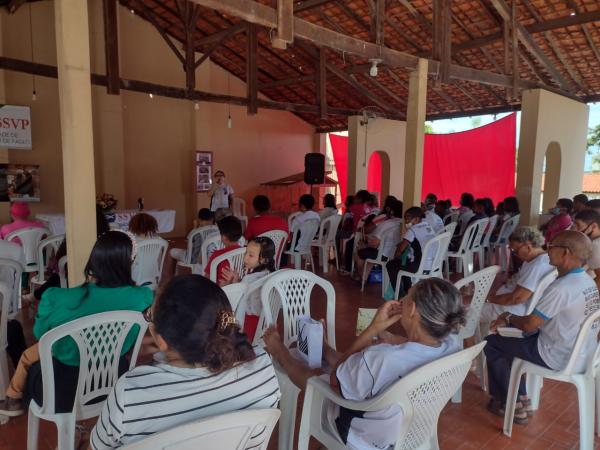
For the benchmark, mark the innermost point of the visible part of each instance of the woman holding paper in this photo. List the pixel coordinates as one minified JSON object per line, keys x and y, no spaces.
{"x":430,"y":313}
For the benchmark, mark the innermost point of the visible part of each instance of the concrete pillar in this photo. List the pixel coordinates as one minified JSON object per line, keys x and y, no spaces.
{"x":415,"y":124}
{"x":75,"y":102}
{"x":552,"y":127}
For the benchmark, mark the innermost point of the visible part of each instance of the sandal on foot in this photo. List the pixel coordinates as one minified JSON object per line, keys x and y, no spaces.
{"x":526,"y":402}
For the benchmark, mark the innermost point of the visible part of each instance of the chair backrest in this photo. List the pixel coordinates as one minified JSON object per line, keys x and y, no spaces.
{"x":469,"y":236}
{"x":30,"y":238}
{"x":590,"y":325}
{"x":279,"y":238}
{"x":307,"y":232}
{"x":202,"y":233}
{"x":291,"y":218}
{"x":477,"y":241}
{"x":11,"y":250}
{"x":234,"y":257}
{"x":328,"y":229}
{"x":62,"y":272}
{"x":239,"y":206}
{"x":539,"y":290}
{"x":237,"y":430}
{"x":438,"y":247}
{"x":45,"y":250}
{"x":489,"y":230}
{"x":451,"y":217}
{"x":392,"y":235}
{"x":10,"y":274}
{"x":148,"y":264}
{"x":483,"y":281}
{"x":212,"y":241}
{"x":294,"y":288}
{"x":6,"y":294}
{"x":100,"y":339}
{"x":463,"y":220}
{"x":507,"y":228}
{"x":450,"y":228}
{"x":234,"y":293}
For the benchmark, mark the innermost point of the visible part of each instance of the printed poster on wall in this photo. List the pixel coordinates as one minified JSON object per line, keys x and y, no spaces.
{"x":15,"y":127}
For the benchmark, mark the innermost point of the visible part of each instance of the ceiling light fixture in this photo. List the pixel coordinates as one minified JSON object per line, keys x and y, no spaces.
{"x":373,"y":71}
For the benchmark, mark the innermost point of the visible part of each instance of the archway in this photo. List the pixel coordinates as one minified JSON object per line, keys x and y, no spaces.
{"x":378,"y":174}
{"x":551,"y":183}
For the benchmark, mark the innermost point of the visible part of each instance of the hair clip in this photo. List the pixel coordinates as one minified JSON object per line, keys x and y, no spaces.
{"x":225,"y":319}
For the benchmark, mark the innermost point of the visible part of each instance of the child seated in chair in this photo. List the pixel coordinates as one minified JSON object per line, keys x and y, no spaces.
{"x":108,"y":287}
{"x":259,"y":261}
{"x":230,"y":229}
{"x":430,"y":313}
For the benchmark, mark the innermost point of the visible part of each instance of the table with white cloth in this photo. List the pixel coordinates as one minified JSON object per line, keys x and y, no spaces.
{"x":116,"y":219}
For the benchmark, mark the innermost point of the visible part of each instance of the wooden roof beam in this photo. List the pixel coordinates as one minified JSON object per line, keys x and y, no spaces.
{"x":252,"y":68}
{"x":442,"y":37}
{"x":309,"y":4}
{"x":219,"y":36}
{"x":321,"y":94}
{"x":285,"y":24}
{"x":111,"y":46}
{"x":524,"y":36}
{"x":548,"y":25}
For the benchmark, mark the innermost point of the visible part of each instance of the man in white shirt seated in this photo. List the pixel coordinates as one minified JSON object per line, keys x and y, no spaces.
{"x":526,"y":243}
{"x":431,"y":217}
{"x":306,"y":204}
{"x":551,"y":330}
{"x":588,"y":222}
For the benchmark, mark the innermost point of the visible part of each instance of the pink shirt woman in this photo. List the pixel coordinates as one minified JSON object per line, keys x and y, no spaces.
{"x":19,"y":212}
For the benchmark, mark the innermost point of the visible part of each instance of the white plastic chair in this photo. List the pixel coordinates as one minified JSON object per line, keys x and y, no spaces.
{"x":11,"y":250}
{"x":234,"y":257}
{"x":235,"y":292}
{"x":10,"y":274}
{"x":539,"y":290}
{"x":6,"y":294}
{"x":500,"y":247}
{"x":100,"y":339}
{"x":450,"y":228}
{"x":470,"y":242}
{"x":438,"y":246}
{"x":290,"y":292}
{"x":463,"y":221}
{"x":234,"y":430}
{"x":30,"y":239}
{"x":583,"y":381}
{"x":147,"y":267}
{"x":239,"y":211}
{"x":451,"y":217}
{"x":202,"y":233}
{"x":279,"y":238}
{"x":326,"y":239}
{"x":45,"y":250}
{"x":301,"y":247}
{"x":484,"y":250}
{"x":422,"y":394}
{"x":393,"y":235}
{"x":212,"y":241}
{"x":482,"y":281}
{"x":62,"y":272}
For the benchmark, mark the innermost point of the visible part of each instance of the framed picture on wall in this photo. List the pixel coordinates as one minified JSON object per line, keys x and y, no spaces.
{"x":204,"y":170}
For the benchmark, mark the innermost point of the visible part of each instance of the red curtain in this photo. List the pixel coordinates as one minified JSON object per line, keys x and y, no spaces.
{"x":479,"y":161}
{"x":374,"y":174}
{"x":339,"y":147}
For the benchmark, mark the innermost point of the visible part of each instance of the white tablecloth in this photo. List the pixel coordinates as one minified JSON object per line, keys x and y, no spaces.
{"x":116,"y":219}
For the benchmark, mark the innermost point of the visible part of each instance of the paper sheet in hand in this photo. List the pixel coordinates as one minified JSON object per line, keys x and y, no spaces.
{"x":310,"y":341}
{"x":510,"y":332}
{"x":365,"y":317}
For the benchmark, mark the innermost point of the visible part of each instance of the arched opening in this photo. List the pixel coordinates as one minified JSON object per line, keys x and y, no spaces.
{"x":551,"y":183}
{"x":378,"y":175}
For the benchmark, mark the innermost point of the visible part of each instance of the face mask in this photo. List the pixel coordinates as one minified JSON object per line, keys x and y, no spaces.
{"x":555,"y":211}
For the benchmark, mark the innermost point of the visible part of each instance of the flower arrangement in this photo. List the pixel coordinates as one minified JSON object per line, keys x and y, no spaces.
{"x":107,"y":202}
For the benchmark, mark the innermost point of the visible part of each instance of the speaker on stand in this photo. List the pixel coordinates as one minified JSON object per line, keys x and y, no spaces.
{"x":314,"y":168}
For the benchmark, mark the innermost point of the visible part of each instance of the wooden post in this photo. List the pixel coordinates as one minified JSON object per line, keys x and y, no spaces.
{"x":75,"y":105}
{"x":515,"y":50}
{"x":111,"y":46}
{"x":285,"y":24}
{"x":190,"y":16}
{"x":251,"y":68}
{"x":378,"y":22}
{"x":415,"y":137}
{"x":442,"y":37}
{"x":322,"y":84}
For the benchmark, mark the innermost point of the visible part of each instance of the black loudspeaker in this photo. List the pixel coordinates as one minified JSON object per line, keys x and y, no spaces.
{"x":314,"y":168}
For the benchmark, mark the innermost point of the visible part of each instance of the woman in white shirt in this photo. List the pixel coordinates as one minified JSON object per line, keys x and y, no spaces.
{"x":329,"y":207}
{"x":210,"y":368}
{"x":514,"y":296}
{"x":430,"y":314}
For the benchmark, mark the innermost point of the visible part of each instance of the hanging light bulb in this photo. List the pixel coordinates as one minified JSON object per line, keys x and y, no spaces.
{"x":33,"y":96}
{"x":151,"y":95}
{"x":229,"y":123}
{"x":373,"y":71}
{"x":196,"y":106}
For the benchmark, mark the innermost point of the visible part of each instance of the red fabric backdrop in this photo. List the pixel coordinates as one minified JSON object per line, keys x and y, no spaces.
{"x":480,"y":161}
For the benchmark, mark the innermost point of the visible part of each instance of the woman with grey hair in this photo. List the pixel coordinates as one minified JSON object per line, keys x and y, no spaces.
{"x":430,"y":314}
{"x":526,"y":244}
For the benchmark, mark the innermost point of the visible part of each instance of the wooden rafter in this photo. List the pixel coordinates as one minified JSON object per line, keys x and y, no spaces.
{"x":251,"y":68}
{"x":218,"y":36}
{"x":189,"y":18}
{"x":322,"y":83}
{"x":285,"y":24}
{"x":442,"y":37}
{"x":287,"y":82}
{"x":111,"y":46}
{"x":215,"y":45}
{"x":377,"y":26}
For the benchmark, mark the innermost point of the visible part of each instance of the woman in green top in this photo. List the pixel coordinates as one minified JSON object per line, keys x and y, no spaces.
{"x":108,"y":287}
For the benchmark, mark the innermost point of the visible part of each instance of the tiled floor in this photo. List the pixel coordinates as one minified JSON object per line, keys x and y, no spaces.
{"x":461,"y":426}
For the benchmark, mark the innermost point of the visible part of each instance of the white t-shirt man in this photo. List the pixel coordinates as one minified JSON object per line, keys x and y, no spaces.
{"x":389,"y":246}
{"x":220,"y":197}
{"x":303,"y":217}
{"x":366,"y":374}
{"x":564,"y":306}
{"x":528,"y":277}
{"x":419,"y":235}
{"x":434,"y":220}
